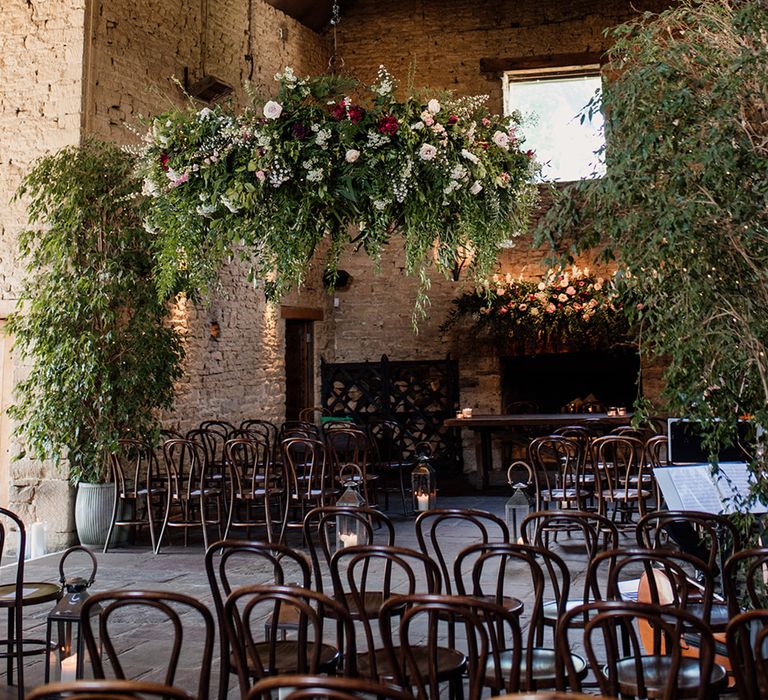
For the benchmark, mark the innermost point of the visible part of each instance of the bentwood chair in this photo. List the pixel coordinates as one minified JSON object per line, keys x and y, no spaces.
{"x":308,"y":479}
{"x":391,"y":459}
{"x":255,"y":483}
{"x":557,"y":462}
{"x":183,"y":623}
{"x":189,"y":493}
{"x":138,"y":488}
{"x":351,"y":446}
{"x":108,"y":690}
{"x":747,"y":640}
{"x":643,"y":660}
{"x":486,"y":579}
{"x":16,"y":596}
{"x":744,"y":577}
{"x":327,"y":687}
{"x":622,"y":485}
{"x":420,"y":657}
{"x":367,"y":576}
{"x":436,"y":532}
{"x":255,"y":658}
{"x":231,"y":564}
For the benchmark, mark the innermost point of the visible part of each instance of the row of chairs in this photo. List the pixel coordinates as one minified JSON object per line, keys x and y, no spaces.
{"x":613,"y":474}
{"x":252,"y":476}
{"x":412,"y":604}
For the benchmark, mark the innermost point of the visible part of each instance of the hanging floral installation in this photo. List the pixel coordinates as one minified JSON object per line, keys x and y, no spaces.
{"x":330,"y":157}
{"x":568,"y":309}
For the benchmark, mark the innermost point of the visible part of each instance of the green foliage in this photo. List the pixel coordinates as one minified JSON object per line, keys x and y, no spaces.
{"x":684,"y":204}
{"x":90,"y":321}
{"x":274,"y":181}
{"x":570,"y":308}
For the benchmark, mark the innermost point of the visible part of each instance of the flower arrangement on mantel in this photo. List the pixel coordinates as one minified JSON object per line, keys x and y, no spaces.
{"x":569,"y":309}
{"x":332,"y":157}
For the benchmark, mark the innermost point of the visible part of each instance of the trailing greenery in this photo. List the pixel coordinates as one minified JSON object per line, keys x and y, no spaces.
{"x":330,"y":157}
{"x":684,"y":203}
{"x":89,"y":321}
{"x":569,"y":308}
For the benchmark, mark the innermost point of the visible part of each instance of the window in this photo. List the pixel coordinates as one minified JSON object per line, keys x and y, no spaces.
{"x":551,"y":103}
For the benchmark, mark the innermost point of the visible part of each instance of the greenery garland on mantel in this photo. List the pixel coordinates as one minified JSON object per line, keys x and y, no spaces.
{"x":566,"y":310}
{"x":331,"y":157}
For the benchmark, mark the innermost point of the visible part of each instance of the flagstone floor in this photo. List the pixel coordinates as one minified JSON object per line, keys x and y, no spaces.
{"x":181,"y":569}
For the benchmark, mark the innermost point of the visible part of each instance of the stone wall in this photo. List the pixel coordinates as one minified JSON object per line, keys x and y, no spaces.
{"x":443,"y":43}
{"x":41,"y":64}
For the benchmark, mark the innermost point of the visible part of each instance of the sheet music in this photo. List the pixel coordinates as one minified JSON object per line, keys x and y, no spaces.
{"x":693,"y":487}
{"x":689,"y":488}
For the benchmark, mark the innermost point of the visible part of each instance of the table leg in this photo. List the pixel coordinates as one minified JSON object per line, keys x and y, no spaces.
{"x":483,"y":457}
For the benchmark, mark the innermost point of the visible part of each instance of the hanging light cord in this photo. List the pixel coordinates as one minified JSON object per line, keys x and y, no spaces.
{"x":335,"y":61}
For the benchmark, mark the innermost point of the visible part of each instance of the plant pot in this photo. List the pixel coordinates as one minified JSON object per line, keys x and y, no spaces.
{"x":93,"y":513}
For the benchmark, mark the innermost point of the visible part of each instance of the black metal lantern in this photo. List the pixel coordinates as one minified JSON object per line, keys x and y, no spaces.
{"x":67,"y":654}
{"x":423,"y":482}
{"x":350,"y":530}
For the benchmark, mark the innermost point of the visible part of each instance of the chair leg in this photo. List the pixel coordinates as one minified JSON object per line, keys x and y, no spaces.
{"x":156,"y":546}
{"x":112,"y":522}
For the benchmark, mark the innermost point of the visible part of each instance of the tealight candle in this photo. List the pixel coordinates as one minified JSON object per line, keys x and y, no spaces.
{"x":69,"y":668}
{"x":348,"y":539}
{"x":422,"y":501}
{"x":37,"y":540}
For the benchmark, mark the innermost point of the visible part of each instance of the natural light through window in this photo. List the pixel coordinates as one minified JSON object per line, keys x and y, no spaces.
{"x":551,"y":108}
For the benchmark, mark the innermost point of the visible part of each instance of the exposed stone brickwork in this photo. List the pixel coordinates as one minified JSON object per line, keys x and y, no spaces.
{"x":41,"y":64}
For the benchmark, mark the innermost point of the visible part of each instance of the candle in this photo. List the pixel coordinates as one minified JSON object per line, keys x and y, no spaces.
{"x":69,"y":668}
{"x":422,"y":501}
{"x":467,"y":412}
{"x":37,"y":540}
{"x":348,"y":539}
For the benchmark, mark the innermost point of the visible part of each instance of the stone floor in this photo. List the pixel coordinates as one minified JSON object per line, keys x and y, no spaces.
{"x":181,"y":569}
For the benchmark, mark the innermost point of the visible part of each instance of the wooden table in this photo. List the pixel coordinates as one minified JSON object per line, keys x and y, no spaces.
{"x":483,"y":426}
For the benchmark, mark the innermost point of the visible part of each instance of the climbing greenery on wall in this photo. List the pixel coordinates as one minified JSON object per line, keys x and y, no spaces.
{"x":331,"y":158}
{"x":684,"y":202}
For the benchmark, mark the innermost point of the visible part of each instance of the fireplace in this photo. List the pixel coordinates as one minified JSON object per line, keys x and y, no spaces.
{"x":552,"y":381}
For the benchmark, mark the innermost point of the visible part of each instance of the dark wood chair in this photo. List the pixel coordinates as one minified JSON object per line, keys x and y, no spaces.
{"x":391,"y":458}
{"x":364,"y":578}
{"x":486,"y":579}
{"x":747,"y":640}
{"x":312,"y":414}
{"x":230,"y":564}
{"x":420,"y":659}
{"x":328,"y":687}
{"x":707,"y":536}
{"x":190,"y":493}
{"x":623,"y":485}
{"x":255,"y":482}
{"x":744,"y":579}
{"x":139,"y":488}
{"x":170,"y":614}
{"x":557,"y":463}
{"x":16,"y":596}
{"x":107,"y":689}
{"x":350,"y":445}
{"x":245,"y":610}
{"x":636,"y":649}
{"x":435,"y":530}
{"x":266,"y":429}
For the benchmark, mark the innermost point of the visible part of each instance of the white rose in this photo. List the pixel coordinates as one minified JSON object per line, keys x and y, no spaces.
{"x":352,"y":155}
{"x":501,"y":139}
{"x":471,"y":157}
{"x":272,"y":109}
{"x":433,"y":106}
{"x":476,"y":188}
{"x":427,"y":151}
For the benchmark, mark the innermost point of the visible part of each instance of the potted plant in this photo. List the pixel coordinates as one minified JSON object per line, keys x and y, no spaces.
{"x":89,"y":321}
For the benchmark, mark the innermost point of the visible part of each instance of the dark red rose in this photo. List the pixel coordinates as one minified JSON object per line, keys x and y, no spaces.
{"x":339,"y":111}
{"x":164,"y":158}
{"x":530,"y":153}
{"x":300,"y":131}
{"x":355,"y":113}
{"x":452,"y":120}
{"x":388,"y":126}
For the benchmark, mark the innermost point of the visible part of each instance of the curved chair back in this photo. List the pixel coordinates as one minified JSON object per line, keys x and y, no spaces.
{"x":747,"y":640}
{"x":744,"y":579}
{"x":175,"y":609}
{"x":111,"y":689}
{"x":328,"y":687}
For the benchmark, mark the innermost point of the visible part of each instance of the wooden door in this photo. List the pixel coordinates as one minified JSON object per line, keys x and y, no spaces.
{"x":299,"y":367}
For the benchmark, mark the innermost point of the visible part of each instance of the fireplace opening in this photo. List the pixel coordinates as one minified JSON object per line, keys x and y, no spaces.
{"x":552,"y":382}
